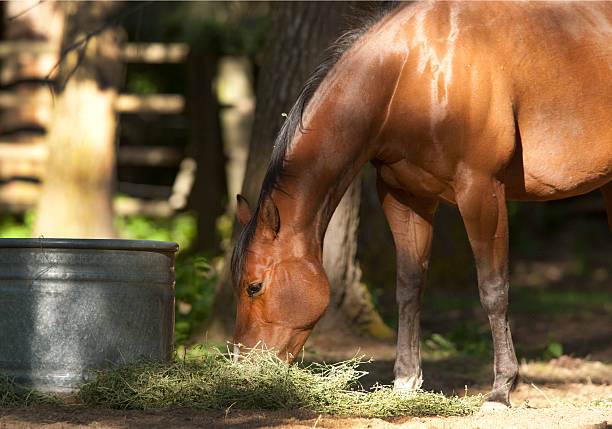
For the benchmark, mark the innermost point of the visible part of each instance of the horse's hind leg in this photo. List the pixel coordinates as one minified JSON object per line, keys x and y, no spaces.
{"x":606,"y":190}
{"x":482,"y":205}
{"x":411,"y":222}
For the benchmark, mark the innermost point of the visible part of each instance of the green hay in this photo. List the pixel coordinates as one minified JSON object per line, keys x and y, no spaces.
{"x":260,"y":381}
{"x":14,"y":395}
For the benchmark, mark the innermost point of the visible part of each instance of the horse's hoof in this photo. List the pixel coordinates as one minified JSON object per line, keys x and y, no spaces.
{"x":489,"y":406}
{"x":407,"y":383}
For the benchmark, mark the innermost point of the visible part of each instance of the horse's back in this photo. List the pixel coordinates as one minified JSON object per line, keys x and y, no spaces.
{"x":534,"y":79}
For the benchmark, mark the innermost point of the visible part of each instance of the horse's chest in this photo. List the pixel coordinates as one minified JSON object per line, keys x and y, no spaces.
{"x":416,"y":180}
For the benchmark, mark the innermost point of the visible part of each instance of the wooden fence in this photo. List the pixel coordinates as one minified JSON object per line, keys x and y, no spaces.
{"x":22,"y":164}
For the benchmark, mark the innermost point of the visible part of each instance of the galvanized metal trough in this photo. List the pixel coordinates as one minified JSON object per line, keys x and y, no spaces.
{"x":68,"y":306}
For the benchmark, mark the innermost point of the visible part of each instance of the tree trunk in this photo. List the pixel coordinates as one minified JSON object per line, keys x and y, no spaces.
{"x":350,"y":307}
{"x":376,"y":249}
{"x":25,"y":75}
{"x":209,"y":196}
{"x":298,"y":36}
{"x":26,"y":72}
{"x":76,"y":199}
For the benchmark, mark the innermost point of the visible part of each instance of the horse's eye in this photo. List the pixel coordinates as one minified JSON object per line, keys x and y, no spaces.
{"x":254,"y":289}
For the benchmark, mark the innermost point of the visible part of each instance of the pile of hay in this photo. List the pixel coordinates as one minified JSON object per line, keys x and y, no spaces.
{"x":260,"y":381}
{"x":14,"y":395}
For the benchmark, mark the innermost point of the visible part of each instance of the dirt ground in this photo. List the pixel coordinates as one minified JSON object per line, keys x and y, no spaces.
{"x":554,"y":417}
{"x":567,"y":392}
{"x":574,"y":391}
{"x":534,"y":407}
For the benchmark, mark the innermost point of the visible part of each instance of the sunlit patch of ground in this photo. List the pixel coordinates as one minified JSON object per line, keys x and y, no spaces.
{"x":566,"y":369}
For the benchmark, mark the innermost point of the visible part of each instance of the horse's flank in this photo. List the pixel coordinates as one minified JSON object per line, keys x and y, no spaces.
{"x":522,"y":93}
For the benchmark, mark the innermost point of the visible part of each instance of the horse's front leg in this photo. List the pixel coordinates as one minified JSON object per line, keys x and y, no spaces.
{"x":411,"y":223}
{"x":482,"y":205}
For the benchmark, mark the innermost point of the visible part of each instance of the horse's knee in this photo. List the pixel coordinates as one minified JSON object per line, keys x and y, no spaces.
{"x":410,"y":283}
{"x":408,"y":289}
{"x":494,"y":296}
{"x":508,"y":372}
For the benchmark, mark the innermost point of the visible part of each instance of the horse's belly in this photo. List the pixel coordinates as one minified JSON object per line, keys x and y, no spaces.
{"x":408,"y":177}
{"x":542,"y":174}
{"x":565,"y":146}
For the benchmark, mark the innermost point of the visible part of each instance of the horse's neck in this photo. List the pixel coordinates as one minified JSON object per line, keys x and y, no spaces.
{"x":320,"y":168}
{"x":342,"y":122}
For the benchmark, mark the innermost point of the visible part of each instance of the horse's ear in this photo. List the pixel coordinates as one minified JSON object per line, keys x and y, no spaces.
{"x":243,"y":211}
{"x":269,"y":218}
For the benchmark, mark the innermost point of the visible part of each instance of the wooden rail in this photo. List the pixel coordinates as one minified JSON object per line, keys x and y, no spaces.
{"x":9,"y":100}
{"x":150,"y":156}
{"x":155,"y":53}
{"x":151,"y":53}
{"x":162,"y":104}
{"x":28,"y":160}
{"x":11,"y":48}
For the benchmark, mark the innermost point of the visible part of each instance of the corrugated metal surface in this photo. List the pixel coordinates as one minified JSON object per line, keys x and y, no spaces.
{"x":68,"y":306}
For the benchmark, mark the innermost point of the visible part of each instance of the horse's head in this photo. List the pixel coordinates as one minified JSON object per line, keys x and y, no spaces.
{"x":282,"y":291}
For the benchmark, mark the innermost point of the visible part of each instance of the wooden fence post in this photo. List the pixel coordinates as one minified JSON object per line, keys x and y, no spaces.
{"x":209,"y":196}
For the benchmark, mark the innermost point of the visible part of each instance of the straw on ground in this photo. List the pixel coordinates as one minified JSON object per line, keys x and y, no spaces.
{"x":261,"y":380}
{"x":14,"y":395}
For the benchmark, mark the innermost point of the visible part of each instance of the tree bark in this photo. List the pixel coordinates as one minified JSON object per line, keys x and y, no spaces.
{"x":298,"y":36}
{"x":25,"y":75}
{"x":76,"y":198}
{"x":209,"y":196}
{"x":350,"y":308}
{"x":26,"y":72}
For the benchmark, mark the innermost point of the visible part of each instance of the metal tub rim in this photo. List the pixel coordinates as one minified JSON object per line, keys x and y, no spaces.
{"x":89,"y":243}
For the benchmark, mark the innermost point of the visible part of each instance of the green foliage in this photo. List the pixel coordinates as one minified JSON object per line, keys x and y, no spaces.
{"x":180,"y":228}
{"x":561,"y":302}
{"x":14,"y":227}
{"x":195,"y":282}
{"x":472,"y":340}
{"x":231,"y":28}
{"x":573,"y":302}
{"x":261,"y":381}
{"x":552,"y":349}
{"x":13,"y":394}
{"x":194,"y":291}
{"x":141,"y":83}
{"x":439,"y":301}
{"x":601,"y":402}
{"x":375,"y":294}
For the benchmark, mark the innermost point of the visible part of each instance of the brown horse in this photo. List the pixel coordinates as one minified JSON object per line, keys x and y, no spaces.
{"x":468,"y":103}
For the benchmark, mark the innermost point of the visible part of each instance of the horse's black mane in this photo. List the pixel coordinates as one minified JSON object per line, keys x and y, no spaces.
{"x":293,"y":122}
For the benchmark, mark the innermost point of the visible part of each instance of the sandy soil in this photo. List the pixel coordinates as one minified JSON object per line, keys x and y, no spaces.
{"x":569,"y":392}
{"x":565,"y":393}
{"x":557,"y":416}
